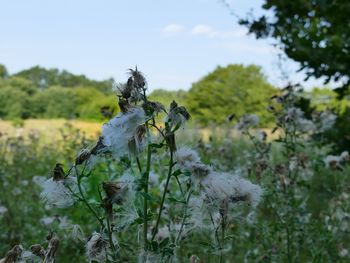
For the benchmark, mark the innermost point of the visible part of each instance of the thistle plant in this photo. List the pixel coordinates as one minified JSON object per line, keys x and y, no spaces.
{"x":146,"y":193}
{"x":285,"y":167}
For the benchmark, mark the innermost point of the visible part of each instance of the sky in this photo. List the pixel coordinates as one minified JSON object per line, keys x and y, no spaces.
{"x":174,"y":42}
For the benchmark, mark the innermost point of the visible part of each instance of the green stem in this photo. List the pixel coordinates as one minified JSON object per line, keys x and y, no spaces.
{"x":183,"y":217}
{"x":110,"y":239}
{"x":145,"y":202}
{"x":171,"y":164}
{"x":83,"y":199}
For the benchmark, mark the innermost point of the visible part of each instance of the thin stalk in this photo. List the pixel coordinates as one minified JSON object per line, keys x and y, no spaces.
{"x":145,"y":201}
{"x":183,"y":218}
{"x":110,"y":239}
{"x":83,"y":199}
{"x":171,"y":164}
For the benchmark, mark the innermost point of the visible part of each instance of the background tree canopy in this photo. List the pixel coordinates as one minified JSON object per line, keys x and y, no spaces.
{"x":315,"y":33}
{"x":234,"y":89}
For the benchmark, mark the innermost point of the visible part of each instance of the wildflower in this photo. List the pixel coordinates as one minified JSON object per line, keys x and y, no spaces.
{"x":3,"y":209}
{"x":136,"y":143}
{"x":189,"y":160}
{"x":57,"y":189}
{"x":261,"y":135}
{"x":51,"y":250}
{"x":149,"y":257}
{"x":38,"y":251}
{"x":153,"y":179}
{"x":27,"y":256}
{"x":83,"y":155}
{"x":333,"y":161}
{"x":115,"y":192}
{"x":343,"y":252}
{"x":247,"y":121}
{"x":327,"y":120}
{"x":177,"y":115}
{"x":77,"y":233}
{"x":122,"y":190}
{"x":121,"y":129}
{"x":194,"y":259}
{"x":224,"y":186}
{"x":13,"y":255}
{"x":132,"y":91}
{"x":344,"y":156}
{"x":152,"y":107}
{"x":186,"y":155}
{"x":96,"y":248}
{"x":162,"y":233}
{"x":294,"y":118}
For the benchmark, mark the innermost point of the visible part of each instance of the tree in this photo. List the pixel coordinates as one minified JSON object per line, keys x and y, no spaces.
{"x":44,"y":78}
{"x":314,"y":33}
{"x":234,"y":89}
{"x":3,"y":72}
{"x":166,"y":96}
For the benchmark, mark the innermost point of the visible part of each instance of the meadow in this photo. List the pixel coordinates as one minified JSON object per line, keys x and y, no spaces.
{"x":151,"y":186}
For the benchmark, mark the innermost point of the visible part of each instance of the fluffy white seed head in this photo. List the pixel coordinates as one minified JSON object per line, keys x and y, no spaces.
{"x":247,"y":121}
{"x":327,"y":120}
{"x":57,"y":193}
{"x":121,"y":129}
{"x":225,"y":186}
{"x":96,"y":248}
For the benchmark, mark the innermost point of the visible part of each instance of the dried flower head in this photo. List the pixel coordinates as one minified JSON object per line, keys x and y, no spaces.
{"x":177,"y":115}
{"x":38,"y":251}
{"x":13,"y":255}
{"x":57,"y":191}
{"x":115,"y":192}
{"x":222,"y":186}
{"x":83,"y":156}
{"x":96,"y":248}
{"x":247,"y":121}
{"x":117,"y":133}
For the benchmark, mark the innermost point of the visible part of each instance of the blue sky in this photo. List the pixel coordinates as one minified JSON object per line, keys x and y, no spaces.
{"x":174,"y":42}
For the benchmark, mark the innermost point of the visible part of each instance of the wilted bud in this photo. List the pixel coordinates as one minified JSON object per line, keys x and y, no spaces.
{"x":151,"y":107}
{"x":58,"y":173}
{"x":106,"y":111}
{"x":13,"y":254}
{"x":194,"y":259}
{"x":51,"y":250}
{"x":38,"y":250}
{"x":96,"y":248}
{"x":170,"y":139}
{"x":99,"y":147}
{"x":139,"y":81}
{"x":231,"y":117}
{"x":115,"y":192}
{"x":124,"y":105}
{"x":183,"y":111}
{"x":83,"y":155}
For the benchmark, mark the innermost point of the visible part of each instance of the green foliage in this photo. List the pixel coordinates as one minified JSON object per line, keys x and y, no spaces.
{"x":322,"y":99}
{"x":3,"y":72}
{"x":44,"y":78}
{"x":167,"y":96}
{"x":313,"y":33}
{"x":234,"y":89}
{"x":41,"y":93}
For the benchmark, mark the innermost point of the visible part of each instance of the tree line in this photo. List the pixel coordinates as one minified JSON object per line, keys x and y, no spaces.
{"x":228,"y":91}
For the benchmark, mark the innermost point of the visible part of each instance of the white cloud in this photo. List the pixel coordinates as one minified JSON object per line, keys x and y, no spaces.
{"x":172,"y":29}
{"x":208,"y":31}
{"x":203,"y":30}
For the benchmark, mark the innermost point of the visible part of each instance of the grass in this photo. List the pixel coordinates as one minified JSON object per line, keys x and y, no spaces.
{"x":49,"y":127}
